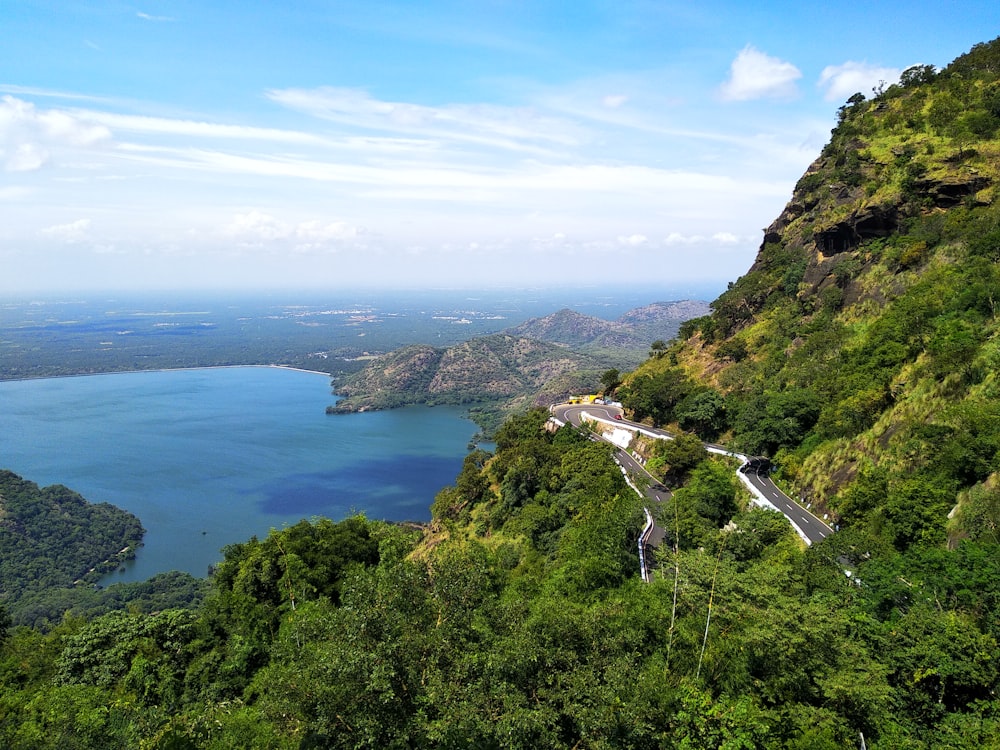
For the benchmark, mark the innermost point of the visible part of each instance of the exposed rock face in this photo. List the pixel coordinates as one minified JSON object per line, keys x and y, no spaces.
{"x":952,"y":191}
{"x":832,"y":216}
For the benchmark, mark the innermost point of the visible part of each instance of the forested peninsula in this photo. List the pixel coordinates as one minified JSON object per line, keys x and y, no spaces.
{"x":859,"y":355}
{"x":56,"y":547}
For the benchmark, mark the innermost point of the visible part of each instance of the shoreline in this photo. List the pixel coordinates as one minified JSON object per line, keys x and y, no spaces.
{"x":163,"y":369}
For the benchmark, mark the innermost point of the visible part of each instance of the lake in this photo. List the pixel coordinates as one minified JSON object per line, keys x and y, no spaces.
{"x":210,"y":457}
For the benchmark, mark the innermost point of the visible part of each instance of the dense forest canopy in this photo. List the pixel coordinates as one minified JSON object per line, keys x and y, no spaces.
{"x":859,"y":353}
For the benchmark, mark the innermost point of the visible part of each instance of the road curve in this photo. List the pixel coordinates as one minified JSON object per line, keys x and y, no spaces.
{"x":766,"y":492}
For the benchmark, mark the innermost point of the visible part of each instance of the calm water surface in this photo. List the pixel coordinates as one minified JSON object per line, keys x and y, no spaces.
{"x":206,"y":458}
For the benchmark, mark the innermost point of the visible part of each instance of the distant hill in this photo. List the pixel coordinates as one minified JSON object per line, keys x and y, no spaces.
{"x":569,"y":328}
{"x":538,"y":361}
{"x":665,"y":313}
{"x":492,"y":368}
{"x":634,"y":330}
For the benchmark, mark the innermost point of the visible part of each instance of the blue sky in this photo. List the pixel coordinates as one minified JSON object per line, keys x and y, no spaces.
{"x":336,"y":144}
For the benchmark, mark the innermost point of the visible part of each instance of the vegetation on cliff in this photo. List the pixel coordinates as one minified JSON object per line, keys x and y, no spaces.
{"x":518,"y":620}
{"x":859,"y":351}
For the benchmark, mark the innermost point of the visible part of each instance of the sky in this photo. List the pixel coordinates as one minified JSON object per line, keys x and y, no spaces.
{"x":314,"y":144}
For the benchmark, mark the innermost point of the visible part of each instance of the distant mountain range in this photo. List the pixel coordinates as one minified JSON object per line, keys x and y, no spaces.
{"x":541,"y":359}
{"x":634,"y":330}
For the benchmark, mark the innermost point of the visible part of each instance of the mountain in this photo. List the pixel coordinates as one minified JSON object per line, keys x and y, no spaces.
{"x":570,"y":328}
{"x":493,"y":368}
{"x":860,"y":350}
{"x":665,"y":313}
{"x":537,"y":362}
{"x":634,"y":331}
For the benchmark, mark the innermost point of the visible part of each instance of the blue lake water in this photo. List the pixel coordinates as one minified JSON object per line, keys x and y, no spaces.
{"x":206,"y":458}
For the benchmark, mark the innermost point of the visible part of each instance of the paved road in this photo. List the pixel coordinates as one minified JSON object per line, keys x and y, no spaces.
{"x":808,"y":526}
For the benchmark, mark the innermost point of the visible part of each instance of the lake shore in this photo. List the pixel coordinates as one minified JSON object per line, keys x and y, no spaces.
{"x":192,"y":368}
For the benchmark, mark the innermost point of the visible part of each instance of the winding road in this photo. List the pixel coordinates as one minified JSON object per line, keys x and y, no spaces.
{"x":766,"y":493}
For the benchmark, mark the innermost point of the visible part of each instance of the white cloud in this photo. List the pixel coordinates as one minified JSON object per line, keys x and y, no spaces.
{"x":726,"y":238}
{"x":157,"y":19}
{"x":14,"y":192}
{"x":719,"y":238}
{"x":633,"y":240}
{"x":613,"y":101}
{"x":192,"y":128}
{"x":316,"y":231}
{"x":28,"y":135}
{"x":73,"y":232}
{"x":756,"y":75}
{"x":258,"y":228}
{"x":842,"y":81}
{"x":26,"y":157}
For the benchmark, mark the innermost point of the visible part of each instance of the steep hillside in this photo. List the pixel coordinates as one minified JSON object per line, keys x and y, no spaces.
{"x":860,"y":350}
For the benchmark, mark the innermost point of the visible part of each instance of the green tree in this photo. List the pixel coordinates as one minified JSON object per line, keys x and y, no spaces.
{"x":4,"y":625}
{"x":656,"y":395}
{"x":702,"y":412}
{"x":610,"y":379}
{"x":674,"y":459}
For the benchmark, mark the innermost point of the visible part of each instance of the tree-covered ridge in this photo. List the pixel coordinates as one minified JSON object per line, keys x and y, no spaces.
{"x":859,"y":351}
{"x":52,"y":538}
